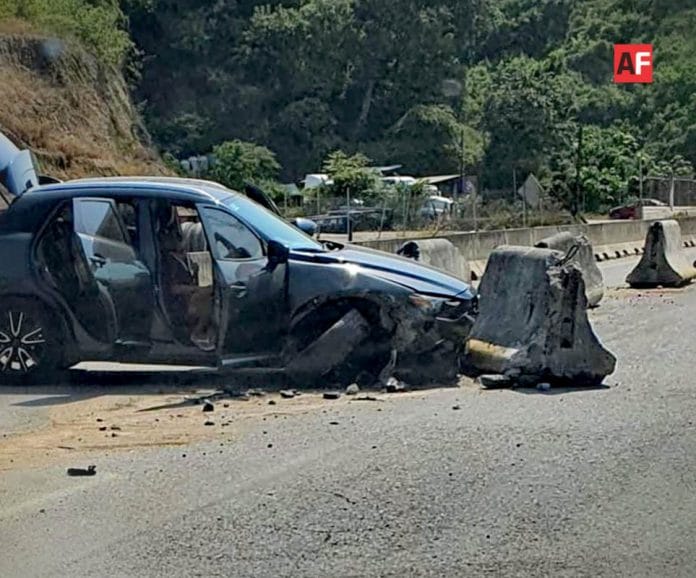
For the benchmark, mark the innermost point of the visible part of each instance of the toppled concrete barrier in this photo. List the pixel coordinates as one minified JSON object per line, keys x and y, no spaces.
{"x":663,"y":264}
{"x":438,"y":253}
{"x":532,"y":324}
{"x":579,"y":251}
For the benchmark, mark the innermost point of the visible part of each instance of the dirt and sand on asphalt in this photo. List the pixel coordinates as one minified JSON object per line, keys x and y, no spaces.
{"x":96,"y":421}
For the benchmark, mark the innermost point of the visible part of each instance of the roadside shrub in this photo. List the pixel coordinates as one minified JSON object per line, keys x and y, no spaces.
{"x":99,"y":25}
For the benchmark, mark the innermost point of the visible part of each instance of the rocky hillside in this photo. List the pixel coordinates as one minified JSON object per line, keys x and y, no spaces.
{"x":72,"y":110}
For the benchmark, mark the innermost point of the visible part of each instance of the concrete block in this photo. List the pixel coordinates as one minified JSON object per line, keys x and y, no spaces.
{"x":664,"y":263}
{"x":578,"y":250}
{"x":533,"y":321}
{"x":438,"y":253}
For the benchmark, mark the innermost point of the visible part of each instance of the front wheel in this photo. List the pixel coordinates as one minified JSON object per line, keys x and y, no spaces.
{"x":29,"y":342}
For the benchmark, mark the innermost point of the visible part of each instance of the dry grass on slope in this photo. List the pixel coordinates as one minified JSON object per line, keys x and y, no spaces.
{"x":75,"y":114}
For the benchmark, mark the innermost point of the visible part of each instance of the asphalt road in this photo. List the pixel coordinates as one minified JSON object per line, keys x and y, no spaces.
{"x":597,"y":482}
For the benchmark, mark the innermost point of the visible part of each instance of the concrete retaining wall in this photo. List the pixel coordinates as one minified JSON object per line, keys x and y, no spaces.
{"x":662,"y":213}
{"x":611,"y":239}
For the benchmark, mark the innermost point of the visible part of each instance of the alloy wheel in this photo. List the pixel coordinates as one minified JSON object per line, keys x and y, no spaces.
{"x":21,"y":343}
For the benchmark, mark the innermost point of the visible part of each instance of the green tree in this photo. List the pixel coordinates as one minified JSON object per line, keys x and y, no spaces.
{"x":351,"y":174}
{"x":238,"y":163}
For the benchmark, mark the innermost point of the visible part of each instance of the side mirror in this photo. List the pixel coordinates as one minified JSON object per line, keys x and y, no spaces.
{"x":277,"y":253}
{"x":307,"y":226}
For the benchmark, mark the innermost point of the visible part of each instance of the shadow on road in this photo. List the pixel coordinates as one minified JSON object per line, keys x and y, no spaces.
{"x":561,"y":390}
{"x":80,"y":385}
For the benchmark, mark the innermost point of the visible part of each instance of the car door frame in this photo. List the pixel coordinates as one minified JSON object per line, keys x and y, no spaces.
{"x":136,"y":258}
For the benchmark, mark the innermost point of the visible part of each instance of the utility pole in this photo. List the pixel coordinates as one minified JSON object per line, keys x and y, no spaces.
{"x":578,"y":166}
{"x":349,"y":225}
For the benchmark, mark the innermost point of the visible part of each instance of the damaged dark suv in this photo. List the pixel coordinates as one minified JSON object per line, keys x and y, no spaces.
{"x":178,"y":271}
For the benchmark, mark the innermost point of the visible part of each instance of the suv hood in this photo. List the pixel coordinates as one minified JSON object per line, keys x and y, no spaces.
{"x":412,"y":274}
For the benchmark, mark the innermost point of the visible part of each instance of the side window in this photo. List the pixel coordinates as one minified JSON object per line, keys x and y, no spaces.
{"x":231,"y":239}
{"x":98,"y":219}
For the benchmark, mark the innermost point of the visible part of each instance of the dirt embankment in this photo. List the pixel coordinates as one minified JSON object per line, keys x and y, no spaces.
{"x":74,"y":113}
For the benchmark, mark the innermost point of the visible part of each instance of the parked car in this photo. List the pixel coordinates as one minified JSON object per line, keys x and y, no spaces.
{"x":437,"y":208}
{"x":632,"y":210}
{"x":362,"y":219}
{"x":183,"y":271}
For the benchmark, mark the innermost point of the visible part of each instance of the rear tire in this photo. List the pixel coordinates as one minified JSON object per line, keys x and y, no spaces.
{"x":31,"y":345}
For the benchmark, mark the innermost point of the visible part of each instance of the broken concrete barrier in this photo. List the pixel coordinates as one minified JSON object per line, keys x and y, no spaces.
{"x":579,"y":251}
{"x":664,"y":263}
{"x":438,"y":253}
{"x":532,"y":323}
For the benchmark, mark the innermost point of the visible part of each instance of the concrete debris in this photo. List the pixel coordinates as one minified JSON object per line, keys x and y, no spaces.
{"x":438,"y":253}
{"x":209,"y":423}
{"x":579,"y":251}
{"x":494,"y":381}
{"x":271,"y":402}
{"x":287,"y":394}
{"x":88,"y":471}
{"x":353,"y":389}
{"x":332,"y":395}
{"x":256,"y":393}
{"x":208,"y":407}
{"x":331,"y":348}
{"x":395,"y":386}
{"x":664,"y":263}
{"x":533,"y":321}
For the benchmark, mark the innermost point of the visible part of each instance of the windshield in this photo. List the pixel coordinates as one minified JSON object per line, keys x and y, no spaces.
{"x":270,"y":226}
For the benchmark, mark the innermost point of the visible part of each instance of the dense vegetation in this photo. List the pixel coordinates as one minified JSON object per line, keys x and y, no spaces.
{"x":409,"y":81}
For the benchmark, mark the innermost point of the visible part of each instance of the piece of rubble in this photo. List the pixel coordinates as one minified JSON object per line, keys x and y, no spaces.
{"x":208,"y":407}
{"x":395,"y":386}
{"x":256,"y":393}
{"x":88,"y":471}
{"x":353,"y":389}
{"x":271,"y":402}
{"x":543,"y":386}
{"x":332,"y":395}
{"x":287,"y":394}
{"x":209,"y":423}
{"x":494,"y":381}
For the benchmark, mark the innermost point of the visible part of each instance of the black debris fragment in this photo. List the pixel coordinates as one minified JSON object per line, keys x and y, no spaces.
{"x":88,"y":471}
{"x":208,"y":407}
{"x":332,"y":395}
{"x":287,"y":394}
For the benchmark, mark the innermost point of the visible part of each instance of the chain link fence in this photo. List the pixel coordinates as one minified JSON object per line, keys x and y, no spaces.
{"x":676,"y":191}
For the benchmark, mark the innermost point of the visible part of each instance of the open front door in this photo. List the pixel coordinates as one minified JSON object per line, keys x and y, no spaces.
{"x":252,"y":292}
{"x":115,"y":266}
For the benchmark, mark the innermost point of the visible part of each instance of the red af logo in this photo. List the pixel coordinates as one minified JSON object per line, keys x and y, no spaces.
{"x":633,"y":63}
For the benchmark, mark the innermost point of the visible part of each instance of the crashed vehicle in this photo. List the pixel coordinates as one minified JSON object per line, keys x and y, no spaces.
{"x":180,"y":271}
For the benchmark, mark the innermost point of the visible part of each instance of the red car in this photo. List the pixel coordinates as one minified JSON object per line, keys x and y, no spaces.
{"x":631,"y":211}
